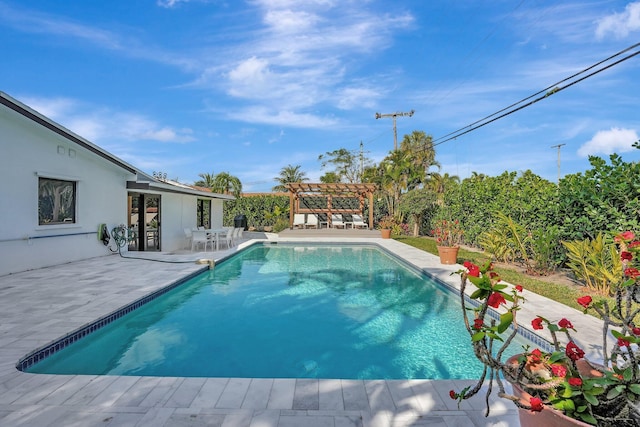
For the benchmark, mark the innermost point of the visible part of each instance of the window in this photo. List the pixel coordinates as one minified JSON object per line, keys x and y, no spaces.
{"x":204,"y":213}
{"x":56,"y":201}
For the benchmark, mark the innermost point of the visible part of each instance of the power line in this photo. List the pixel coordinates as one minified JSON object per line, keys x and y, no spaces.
{"x":548,"y":91}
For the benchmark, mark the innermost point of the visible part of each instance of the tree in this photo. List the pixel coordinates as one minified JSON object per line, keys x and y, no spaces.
{"x":206,"y":181}
{"x":346,"y":163}
{"x":226,"y":183}
{"x":417,"y":203}
{"x":439,"y":184}
{"x":289,"y":174}
{"x":418,"y":148}
{"x":330,"y":178}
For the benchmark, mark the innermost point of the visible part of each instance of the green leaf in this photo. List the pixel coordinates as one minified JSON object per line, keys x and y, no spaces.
{"x":505,"y":321}
{"x":494,"y":336}
{"x":556,"y":356}
{"x":628,"y":373}
{"x":614,"y":392}
{"x":634,"y":388}
{"x":587,"y":417}
{"x":478,"y":293}
{"x":591,"y":398}
{"x":477,"y":336}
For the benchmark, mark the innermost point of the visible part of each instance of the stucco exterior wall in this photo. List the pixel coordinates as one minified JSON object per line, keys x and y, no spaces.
{"x":30,"y":151}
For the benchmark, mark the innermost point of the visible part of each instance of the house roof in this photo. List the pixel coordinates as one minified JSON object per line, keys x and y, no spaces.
{"x":143,"y":180}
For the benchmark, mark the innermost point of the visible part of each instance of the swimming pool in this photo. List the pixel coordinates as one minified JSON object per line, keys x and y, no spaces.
{"x":286,"y":311}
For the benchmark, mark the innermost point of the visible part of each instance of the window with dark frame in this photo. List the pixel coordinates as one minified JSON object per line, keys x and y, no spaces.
{"x":56,"y":201}
{"x":204,"y":213}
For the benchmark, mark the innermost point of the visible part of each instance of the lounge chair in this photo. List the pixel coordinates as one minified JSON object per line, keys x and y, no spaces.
{"x":358,"y":222}
{"x":298,"y":220}
{"x":312,"y":221}
{"x":336,"y":221}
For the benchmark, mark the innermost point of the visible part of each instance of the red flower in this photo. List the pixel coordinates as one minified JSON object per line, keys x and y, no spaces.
{"x":558,"y":370}
{"x":634,"y":244}
{"x":585,"y":301}
{"x":519,"y":288}
{"x":627,"y":235}
{"x":453,"y":395}
{"x":536,"y":404}
{"x":564,"y":323}
{"x":636,"y":331}
{"x":575,"y":382}
{"x":574,"y":352}
{"x":477,"y":324}
{"x":631,"y":272}
{"x":623,"y":343}
{"x":536,"y":356}
{"x":626,"y":256}
{"x":537,"y":323}
{"x":493,"y":274}
{"x":495,"y":299}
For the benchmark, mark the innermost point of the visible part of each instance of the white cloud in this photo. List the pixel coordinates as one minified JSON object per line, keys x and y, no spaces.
{"x":357,"y":97}
{"x":283,"y":118}
{"x":99,"y":124}
{"x":620,"y":24}
{"x":609,"y":141}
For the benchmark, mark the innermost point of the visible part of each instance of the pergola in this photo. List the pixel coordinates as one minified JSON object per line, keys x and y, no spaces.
{"x":329,"y":199}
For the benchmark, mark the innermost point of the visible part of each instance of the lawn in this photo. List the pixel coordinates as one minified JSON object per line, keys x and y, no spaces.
{"x":563,"y":293}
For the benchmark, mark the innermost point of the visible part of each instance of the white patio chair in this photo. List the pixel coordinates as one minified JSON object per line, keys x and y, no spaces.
{"x":312,"y":221}
{"x":298,"y":220}
{"x":226,"y":237}
{"x":199,"y":237}
{"x":336,"y":221}
{"x":237,"y":235}
{"x":358,"y":222}
{"x":188,"y":235}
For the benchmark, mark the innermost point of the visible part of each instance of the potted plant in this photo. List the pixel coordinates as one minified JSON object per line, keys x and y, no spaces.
{"x":560,"y":386}
{"x":385,"y":225}
{"x":448,"y":235}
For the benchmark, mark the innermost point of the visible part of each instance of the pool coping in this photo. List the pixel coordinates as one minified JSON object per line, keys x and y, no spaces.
{"x":62,"y":298}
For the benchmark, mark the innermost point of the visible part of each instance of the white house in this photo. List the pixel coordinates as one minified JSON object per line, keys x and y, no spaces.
{"x":57,"y":188}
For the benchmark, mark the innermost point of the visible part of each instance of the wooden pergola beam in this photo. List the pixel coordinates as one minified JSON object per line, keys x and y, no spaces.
{"x":331,"y":190}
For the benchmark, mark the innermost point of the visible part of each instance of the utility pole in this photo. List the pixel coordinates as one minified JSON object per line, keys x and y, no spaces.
{"x":361,"y":160}
{"x":393,"y":116}
{"x":558,"y":147}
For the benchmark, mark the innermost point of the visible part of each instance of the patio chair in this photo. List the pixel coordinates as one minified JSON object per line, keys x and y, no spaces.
{"x":298,"y":220}
{"x":358,"y":222}
{"x":237,"y":235}
{"x":336,"y":221}
{"x":199,"y":237}
{"x":312,"y":221}
{"x":188,"y":235}
{"x":227,"y":237}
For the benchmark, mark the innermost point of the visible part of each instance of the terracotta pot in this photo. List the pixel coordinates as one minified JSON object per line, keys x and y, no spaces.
{"x":386,"y":233}
{"x":548,"y":417}
{"x":448,"y":254}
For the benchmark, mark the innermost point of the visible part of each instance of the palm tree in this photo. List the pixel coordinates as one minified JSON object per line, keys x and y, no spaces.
{"x":439,"y":184}
{"x":206,"y":181}
{"x":289,"y":174}
{"x":418,"y":147}
{"x":226,"y":183}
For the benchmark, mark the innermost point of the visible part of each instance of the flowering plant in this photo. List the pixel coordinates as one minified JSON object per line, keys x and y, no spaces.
{"x":448,"y":233}
{"x":387,"y":222}
{"x":605,"y":394}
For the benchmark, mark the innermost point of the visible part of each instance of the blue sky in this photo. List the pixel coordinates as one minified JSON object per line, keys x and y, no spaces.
{"x":249,"y":86}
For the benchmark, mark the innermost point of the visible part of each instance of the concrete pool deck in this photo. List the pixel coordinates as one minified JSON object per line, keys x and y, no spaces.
{"x":39,"y":306}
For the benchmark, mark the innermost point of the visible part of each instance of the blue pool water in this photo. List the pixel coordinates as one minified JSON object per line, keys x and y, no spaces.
{"x":278,"y":311}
